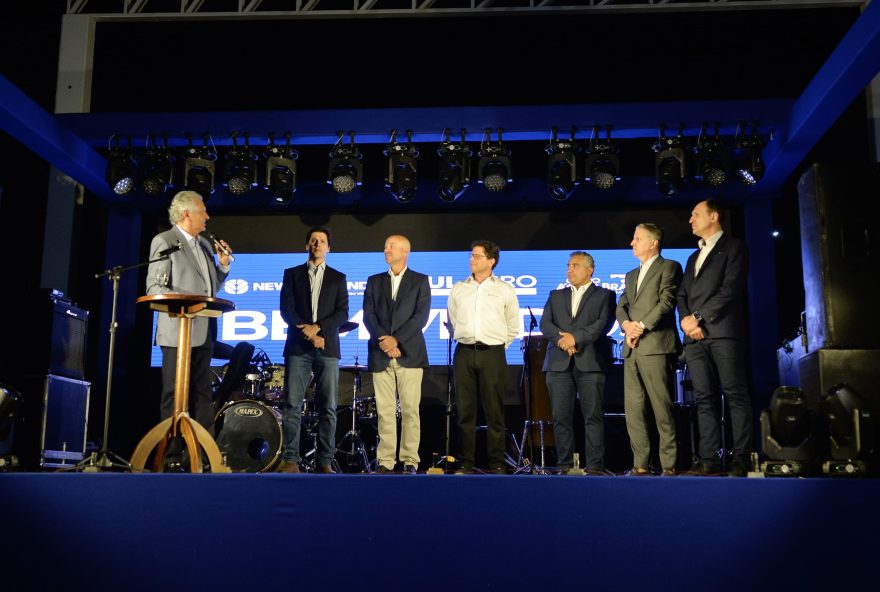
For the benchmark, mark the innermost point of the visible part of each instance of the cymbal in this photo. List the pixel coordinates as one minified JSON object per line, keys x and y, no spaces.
{"x":355,"y":368}
{"x":348,"y":326}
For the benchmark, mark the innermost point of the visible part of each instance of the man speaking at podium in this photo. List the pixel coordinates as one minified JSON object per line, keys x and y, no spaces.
{"x":189,"y":268}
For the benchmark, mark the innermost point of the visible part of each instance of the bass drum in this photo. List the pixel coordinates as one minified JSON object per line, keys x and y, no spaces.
{"x":249,"y":436}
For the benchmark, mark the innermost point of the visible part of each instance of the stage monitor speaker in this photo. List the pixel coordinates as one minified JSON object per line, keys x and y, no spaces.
{"x":839,"y":229}
{"x":65,"y":421}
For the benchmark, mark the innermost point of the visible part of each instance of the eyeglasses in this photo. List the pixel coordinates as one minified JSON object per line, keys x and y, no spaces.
{"x":478,"y":256}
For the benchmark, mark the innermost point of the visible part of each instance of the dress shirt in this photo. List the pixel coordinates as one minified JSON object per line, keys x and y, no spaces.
{"x":395,"y":282}
{"x":485,"y":312}
{"x":316,"y":279}
{"x":193,"y":243}
{"x":643,"y":271}
{"x":577,"y":294}
{"x":706,"y":246}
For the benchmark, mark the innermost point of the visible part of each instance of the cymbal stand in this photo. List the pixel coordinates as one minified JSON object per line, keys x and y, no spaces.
{"x":104,"y":459}
{"x":356,"y":449}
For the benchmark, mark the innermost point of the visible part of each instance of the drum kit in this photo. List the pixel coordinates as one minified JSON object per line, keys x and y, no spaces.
{"x":248,"y":423}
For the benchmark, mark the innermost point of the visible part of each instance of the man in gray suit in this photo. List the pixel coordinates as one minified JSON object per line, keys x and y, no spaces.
{"x":189,"y":269}
{"x":646,"y":313}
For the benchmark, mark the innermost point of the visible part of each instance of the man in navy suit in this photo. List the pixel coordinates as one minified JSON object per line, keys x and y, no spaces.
{"x":711,"y":309}
{"x":314,"y":303}
{"x":576,"y":322}
{"x":191,"y":269}
{"x":396,"y":308}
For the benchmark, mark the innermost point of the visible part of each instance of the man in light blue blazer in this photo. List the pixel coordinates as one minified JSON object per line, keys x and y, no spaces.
{"x":191,"y":269}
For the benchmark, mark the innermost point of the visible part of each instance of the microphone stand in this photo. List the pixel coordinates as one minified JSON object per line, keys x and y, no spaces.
{"x":450,"y":391}
{"x":104,"y":459}
{"x":524,"y":465}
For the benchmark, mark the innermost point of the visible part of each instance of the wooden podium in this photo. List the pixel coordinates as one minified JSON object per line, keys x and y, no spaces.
{"x":185,"y":307}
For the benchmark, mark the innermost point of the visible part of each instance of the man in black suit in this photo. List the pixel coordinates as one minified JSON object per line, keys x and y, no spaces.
{"x":576,"y":321}
{"x":711,"y":309}
{"x":396,"y":308}
{"x":314,"y":303}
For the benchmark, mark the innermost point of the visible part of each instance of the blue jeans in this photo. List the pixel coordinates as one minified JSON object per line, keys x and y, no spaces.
{"x":564,"y":387}
{"x":298,"y":372}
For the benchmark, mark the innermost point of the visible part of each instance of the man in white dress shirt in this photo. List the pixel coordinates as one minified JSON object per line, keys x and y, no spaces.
{"x":484,"y":315}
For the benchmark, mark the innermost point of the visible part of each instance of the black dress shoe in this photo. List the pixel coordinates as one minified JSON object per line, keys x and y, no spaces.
{"x":326,"y":469}
{"x":383,"y":470}
{"x":737,"y":469}
{"x":409,"y":470}
{"x":704,"y":468}
{"x":464,"y":471}
{"x":498,"y":471}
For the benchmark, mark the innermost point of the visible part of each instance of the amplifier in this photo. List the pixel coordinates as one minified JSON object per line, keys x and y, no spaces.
{"x":67,"y":339}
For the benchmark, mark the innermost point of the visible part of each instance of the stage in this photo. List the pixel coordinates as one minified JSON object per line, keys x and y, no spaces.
{"x":112,"y":531}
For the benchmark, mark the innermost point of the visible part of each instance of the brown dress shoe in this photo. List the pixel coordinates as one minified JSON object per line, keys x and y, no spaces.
{"x":288,"y":467}
{"x":326,"y":469}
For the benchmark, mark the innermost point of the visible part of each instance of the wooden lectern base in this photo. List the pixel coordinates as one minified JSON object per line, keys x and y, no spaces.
{"x":184,"y":307}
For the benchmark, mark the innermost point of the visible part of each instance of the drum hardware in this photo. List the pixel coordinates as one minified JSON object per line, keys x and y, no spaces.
{"x":351,"y":449}
{"x":685,"y":401}
{"x":273,"y":384}
{"x":533,"y":347}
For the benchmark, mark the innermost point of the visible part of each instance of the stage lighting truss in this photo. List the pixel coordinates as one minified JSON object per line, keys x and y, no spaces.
{"x":121,"y":167}
{"x":345,"y":171}
{"x":669,"y":163}
{"x":280,"y":170}
{"x":749,"y":163}
{"x":157,"y":170}
{"x":401,"y":168}
{"x":454,"y":168}
{"x":711,"y":159}
{"x":602,"y":165}
{"x":240,"y":167}
{"x":199,"y":168}
{"x":562,"y":176}
{"x":493,"y":168}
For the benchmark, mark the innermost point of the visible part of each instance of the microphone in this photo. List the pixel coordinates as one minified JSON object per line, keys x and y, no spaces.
{"x":169,"y":250}
{"x":534,"y":322}
{"x":220,"y":247}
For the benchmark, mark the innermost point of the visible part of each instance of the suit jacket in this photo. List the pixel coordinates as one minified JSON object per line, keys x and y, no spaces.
{"x":182,"y":274}
{"x":589,"y":325}
{"x":718,"y":293}
{"x":403,"y":318}
{"x":296,"y":309}
{"x":653,"y":305}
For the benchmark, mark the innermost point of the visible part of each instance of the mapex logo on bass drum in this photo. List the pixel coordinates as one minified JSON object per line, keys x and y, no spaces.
{"x":249,"y":411}
{"x":236,"y":286}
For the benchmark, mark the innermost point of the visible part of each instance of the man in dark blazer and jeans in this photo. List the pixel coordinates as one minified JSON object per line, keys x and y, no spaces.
{"x":314,"y":303}
{"x":397,"y":304}
{"x":576,"y":321}
{"x":711,"y":309}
